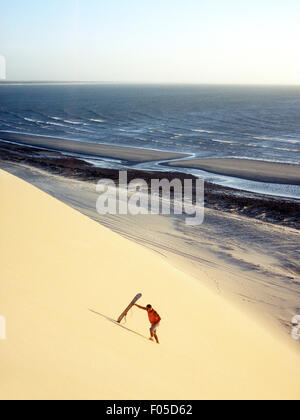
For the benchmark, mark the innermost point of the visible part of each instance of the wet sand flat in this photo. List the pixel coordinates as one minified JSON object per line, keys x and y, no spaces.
{"x":280,"y":173}
{"x":130,"y":154}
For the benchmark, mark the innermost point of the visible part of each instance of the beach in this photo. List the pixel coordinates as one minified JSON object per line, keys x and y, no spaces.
{"x":252,"y":238}
{"x":227,"y":290}
{"x":262,"y":171}
{"x":128,"y":154}
{"x":73,"y":277}
{"x":150,"y":203}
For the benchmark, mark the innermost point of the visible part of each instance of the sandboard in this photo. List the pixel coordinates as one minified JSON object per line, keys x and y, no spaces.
{"x":132,"y":303}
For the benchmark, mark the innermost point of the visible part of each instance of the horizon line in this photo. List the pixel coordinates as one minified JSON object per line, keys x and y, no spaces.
{"x":7,"y":82}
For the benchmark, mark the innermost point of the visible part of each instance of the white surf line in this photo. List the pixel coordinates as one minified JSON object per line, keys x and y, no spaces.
{"x":161,"y":163}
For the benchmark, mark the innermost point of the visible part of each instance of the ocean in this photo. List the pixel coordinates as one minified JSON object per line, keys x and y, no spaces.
{"x":251,"y":122}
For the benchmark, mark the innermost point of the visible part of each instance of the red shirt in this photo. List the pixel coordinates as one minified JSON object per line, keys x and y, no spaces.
{"x":153,"y":316}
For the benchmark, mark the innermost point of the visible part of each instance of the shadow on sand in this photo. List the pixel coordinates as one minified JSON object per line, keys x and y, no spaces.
{"x":119,"y":325}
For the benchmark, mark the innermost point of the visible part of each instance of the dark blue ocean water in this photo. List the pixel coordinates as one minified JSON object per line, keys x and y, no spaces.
{"x":251,"y":122}
{"x":210,"y":121}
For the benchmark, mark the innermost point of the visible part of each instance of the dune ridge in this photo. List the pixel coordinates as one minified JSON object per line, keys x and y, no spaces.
{"x":64,"y":278}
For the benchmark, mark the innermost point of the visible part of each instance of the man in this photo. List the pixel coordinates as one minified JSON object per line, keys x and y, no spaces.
{"x":154,"y":319}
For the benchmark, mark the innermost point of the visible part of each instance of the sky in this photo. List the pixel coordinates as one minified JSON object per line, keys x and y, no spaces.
{"x":151,"y":41}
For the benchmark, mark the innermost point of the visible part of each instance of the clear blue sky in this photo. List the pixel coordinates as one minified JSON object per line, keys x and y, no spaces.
{"x":189,"y":41}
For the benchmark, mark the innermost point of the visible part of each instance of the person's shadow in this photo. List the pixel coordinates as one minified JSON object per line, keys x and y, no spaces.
{"x":116,"y":323}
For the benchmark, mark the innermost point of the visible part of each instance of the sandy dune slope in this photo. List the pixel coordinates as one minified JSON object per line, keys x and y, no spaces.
{"x":57,"y":266}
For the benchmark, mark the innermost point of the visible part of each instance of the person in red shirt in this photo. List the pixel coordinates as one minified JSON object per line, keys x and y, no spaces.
{"x":154,"y":319}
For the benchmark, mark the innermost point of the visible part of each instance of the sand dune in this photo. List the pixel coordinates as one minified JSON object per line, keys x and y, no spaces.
{"x":279,"y":173}
{"x":64,"y":278}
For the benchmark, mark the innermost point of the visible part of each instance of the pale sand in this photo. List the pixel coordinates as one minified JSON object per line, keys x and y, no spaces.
{"x":130,"y":154}
{"x":254,"y":170}
{"x":57,"y":263}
